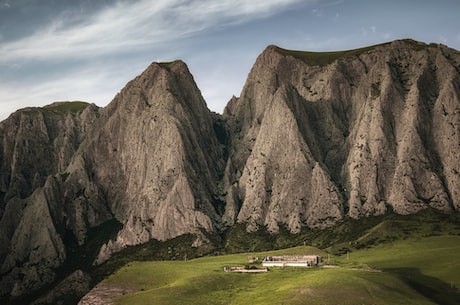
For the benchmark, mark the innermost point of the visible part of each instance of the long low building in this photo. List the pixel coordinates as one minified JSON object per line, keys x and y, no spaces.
{"x":245,"y":270}
{"x":291,"y":261}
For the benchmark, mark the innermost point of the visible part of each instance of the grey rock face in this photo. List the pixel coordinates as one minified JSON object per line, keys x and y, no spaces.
{"x":36,"y":144}
{"x":157,"y":158}
{"x":317,"y":137}
{"x":151,"y":160}
{"x":313,"y":138}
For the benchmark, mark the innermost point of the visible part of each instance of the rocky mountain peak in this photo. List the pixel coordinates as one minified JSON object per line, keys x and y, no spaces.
{"x":356,"y":118}
{"x":157,"y":158}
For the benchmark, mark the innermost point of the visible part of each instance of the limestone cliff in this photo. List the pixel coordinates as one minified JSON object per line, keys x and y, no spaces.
{"x":38,"y":142}
{"x":157,"y":158}
{"x":36,"y":145}
{"x":320,"y":136}
{"x":151,"y":160}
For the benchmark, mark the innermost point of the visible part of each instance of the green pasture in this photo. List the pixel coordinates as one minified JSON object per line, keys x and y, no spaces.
{"x":394,"y":273}
{"x":325,"y":58}
{"x":66,"y":107}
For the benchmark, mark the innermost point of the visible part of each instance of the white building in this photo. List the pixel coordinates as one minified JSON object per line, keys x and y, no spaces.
{"x":292,"y":261}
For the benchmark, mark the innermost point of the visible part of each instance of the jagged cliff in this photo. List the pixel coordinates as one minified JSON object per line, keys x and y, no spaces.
{"x":36,"y":146}
{"x":320,"y":136}
{"x":157,"y":158}
{"x":151,"y":161}
{"x":314,"y":138}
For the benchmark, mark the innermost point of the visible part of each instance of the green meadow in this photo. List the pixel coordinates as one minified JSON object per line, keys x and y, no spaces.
{"x":418,"y":270}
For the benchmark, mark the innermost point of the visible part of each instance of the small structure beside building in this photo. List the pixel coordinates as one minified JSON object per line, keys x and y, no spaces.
{"x":255,"y":259}
{"x":245,"y":269}
{"x":292,"y":261}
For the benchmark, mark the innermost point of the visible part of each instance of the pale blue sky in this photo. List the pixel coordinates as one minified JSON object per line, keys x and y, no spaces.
{"x":53,"y":50}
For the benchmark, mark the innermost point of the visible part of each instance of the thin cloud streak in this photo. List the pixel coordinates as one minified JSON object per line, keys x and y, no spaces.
{"x":105,"y":44}
{"x":127,"y":26}
{"x":88,"y":50}
{"x":88,"y":84}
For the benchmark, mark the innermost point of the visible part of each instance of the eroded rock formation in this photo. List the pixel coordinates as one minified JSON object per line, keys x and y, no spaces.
{"x":320,"y":136}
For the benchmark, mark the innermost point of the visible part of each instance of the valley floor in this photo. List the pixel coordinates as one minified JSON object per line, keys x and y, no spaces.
{"x":422,"y":270}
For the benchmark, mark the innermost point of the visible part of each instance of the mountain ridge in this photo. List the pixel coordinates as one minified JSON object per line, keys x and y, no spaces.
{"x":313,"y":139}
{"x":334,"y":86}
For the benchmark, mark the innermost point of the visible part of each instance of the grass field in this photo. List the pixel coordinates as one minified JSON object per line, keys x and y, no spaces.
{"x":324,"y":58}
{"x":65,"y":107}
{"x":420,"y":270}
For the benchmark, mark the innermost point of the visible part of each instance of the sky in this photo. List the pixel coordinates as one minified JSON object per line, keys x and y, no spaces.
{"x":87,"y":50}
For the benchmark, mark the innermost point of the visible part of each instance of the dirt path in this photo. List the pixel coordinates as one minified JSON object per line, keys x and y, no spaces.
{"x":103,"y":294}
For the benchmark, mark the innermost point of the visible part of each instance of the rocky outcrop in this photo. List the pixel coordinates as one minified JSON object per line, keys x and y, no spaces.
{"x":322,"y":136}
{"x":36,"y":145}
{"x":314,"y":138}
{"x":152,"y":161}
{"x":38,"y":142}
{"x":157,"y":158}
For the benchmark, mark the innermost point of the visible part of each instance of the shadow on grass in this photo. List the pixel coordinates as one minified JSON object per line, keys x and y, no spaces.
{"x":430,"y":287}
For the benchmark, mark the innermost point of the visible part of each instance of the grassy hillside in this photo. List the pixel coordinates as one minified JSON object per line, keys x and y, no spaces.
{"x":325,"y":58}
{"x":347,"y":235}
{"x":419,"y":270}
{"x":65,"y":107}
{"x":429,"y":265}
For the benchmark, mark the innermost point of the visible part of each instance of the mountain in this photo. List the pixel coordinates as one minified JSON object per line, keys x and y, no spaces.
{"x":313,"y":139}
{"x":320,"y":136}
{"x":37,"y":145}
{"x":150,"y":162}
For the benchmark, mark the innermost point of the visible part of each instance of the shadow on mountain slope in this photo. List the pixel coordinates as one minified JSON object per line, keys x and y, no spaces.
{"x":432,"y":288}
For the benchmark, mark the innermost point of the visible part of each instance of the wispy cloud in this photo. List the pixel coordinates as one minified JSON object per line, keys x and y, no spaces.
{"x":316,"y":12}
{"x":105,"y":44}
{"x":127,"y":26}
{"x":90,"y":84}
